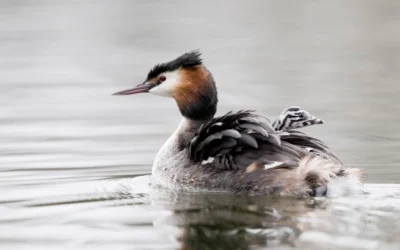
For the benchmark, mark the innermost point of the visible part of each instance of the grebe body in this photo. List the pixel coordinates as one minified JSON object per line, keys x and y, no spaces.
{"x":239,"y":152}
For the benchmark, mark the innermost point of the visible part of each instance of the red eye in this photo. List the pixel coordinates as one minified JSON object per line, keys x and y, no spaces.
{"x":163,"y":78}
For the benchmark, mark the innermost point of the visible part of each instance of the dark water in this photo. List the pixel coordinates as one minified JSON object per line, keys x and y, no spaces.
{"x":70,"y":152}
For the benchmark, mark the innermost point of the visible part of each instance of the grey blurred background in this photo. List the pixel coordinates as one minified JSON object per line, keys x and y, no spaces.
{"x":62,"y":60}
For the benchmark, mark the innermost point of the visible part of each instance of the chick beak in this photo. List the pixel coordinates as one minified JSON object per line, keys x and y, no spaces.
{"x":141,"y":88}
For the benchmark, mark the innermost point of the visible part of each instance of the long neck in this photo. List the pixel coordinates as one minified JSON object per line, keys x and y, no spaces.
{"x":186,"y":131}
{"x":179,"y":140}
{"x":203,"y":108}
{"x":197,"y":97}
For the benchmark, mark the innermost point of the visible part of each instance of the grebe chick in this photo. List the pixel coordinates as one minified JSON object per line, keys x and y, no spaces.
{"x":293,"y":118}
{"x":238,"y":152}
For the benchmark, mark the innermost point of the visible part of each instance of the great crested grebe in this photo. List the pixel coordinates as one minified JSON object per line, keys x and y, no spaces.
{"x":293,"y":118}
{"x":238,"y":152}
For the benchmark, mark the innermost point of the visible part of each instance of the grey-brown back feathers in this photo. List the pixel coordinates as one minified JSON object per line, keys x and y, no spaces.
{"x":238,"y":139}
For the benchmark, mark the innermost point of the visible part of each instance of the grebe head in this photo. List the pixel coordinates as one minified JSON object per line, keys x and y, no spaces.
{"x":186,"y":80}
{"x":295,"y":117}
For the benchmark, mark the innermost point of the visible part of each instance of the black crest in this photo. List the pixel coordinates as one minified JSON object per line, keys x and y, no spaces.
{"x":186,"y":60}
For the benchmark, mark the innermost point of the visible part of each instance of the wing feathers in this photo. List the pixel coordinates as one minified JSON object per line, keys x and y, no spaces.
{"x":236,"y":140}
{"x":248,"y":140}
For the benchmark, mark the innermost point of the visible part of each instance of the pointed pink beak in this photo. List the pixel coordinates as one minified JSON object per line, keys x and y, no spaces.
{"x":142,"y":88}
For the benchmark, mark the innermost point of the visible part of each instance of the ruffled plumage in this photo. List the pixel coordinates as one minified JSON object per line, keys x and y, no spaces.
{"x":238,"y":139}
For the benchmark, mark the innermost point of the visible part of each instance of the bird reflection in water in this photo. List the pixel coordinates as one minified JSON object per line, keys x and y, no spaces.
{"x":221,"y":221}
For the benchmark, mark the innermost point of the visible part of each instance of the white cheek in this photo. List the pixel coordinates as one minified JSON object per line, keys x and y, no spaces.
{"x":167,"y":87}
